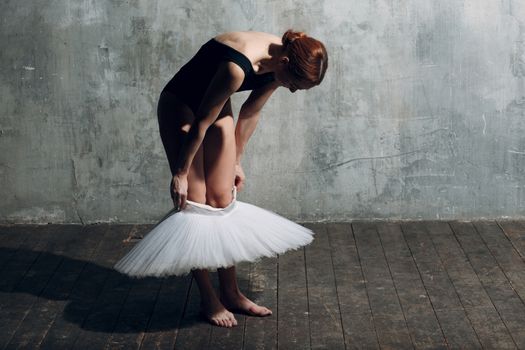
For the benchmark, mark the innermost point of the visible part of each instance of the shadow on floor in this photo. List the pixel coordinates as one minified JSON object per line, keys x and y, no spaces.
{"x":98,"y":296}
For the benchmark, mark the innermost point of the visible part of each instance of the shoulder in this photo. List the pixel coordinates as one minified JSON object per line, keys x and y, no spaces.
{"x":231,"y":74}
{"x":233,"y":70}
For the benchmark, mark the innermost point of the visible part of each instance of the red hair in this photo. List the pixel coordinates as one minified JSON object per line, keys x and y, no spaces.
{"x":308,"y":57}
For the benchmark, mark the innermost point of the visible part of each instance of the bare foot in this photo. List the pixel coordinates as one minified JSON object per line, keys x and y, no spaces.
{"x":238,"y":302}
{"x":215,"y":313}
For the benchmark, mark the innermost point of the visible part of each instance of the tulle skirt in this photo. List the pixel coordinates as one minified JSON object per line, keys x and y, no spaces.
{"x":201,"y":236}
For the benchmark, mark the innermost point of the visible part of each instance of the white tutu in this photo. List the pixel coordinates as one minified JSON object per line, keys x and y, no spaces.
{"x":201,"y":236}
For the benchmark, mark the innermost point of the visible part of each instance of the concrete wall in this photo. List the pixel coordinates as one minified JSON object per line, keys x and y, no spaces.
{"x":421,"y":114}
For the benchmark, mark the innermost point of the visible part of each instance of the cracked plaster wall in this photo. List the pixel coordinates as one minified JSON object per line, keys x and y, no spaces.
{"x":420,"y":116}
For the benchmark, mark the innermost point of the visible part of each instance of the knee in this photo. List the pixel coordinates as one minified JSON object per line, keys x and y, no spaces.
{"x":197,"y":196}
{"x":219,"y":200}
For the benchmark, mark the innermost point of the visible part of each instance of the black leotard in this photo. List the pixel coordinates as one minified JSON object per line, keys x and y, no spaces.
{"x":192,"y":80}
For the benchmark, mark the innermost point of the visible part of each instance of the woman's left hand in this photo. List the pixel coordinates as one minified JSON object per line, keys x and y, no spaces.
{"x":239,"y":177}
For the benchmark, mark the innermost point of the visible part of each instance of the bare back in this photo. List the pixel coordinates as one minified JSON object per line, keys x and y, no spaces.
{"x":252,"y":44}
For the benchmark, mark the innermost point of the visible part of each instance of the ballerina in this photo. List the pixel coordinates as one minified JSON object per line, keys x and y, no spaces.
{"x":208,"y":227}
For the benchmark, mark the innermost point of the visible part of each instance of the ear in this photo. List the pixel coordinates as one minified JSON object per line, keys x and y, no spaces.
{"x":284,"y":60}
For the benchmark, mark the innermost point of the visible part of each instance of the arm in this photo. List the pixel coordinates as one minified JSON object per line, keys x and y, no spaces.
{"x":249,"y":116}
{"x":226,"y":81}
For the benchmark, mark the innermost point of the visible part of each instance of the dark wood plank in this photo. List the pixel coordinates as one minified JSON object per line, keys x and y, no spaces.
{"x":77,"y":245}
{"x":515,"y":231}
{"x":23,"y":291}
{"x":326,"y":330}
{"x":491,"y":330}
{"x":22,"y":259}
{"x":358,"y":325}
{"x":493,"y":279}
{"x":261,"y":332}
{"x":468,"y":286}
{"x":389,"y":319}
{"x":446,"y":304}
{"x":515,"y":323}
{"x":505,"y":254}
{"x":135,"y":314}
{"x":458,"y":329}
{"x":11,"y":237}
{"x":292,"y":301}
{"x":422,"y":321}
{"x":66,"y":325}
{"x":437,"y":283}
{"x":98,"y":312}
{"x":164,"y":323}
{"x":194,"y":332}
{"x":513,"y":266}
{"x":138,"y":307}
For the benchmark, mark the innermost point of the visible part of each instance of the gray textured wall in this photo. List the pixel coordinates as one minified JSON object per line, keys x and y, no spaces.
{"x":421,"y":114}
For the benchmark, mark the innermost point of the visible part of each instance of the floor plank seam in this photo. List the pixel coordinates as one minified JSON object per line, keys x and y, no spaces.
{"x":424,"y":286}
{"x":395,"y":288}
{"x":335,"y":283}
{"x":307,"y":296}
{"x":93,"y":257}
{"x":365,"y":283}
{"x":153,"y":308}
{"x":146,"y":328}
{"x":89,"y":259}
{"x":35,"y":300}
{"x":181,"y":317}
{"x":94,"y":302}
{"x":277,"y":301}
{"x":455,"y":289}
{"x":499,"y":265}
{"x":511,"y":241}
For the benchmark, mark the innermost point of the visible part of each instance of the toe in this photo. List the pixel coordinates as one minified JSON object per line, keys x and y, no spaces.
{"x":261,"y":311}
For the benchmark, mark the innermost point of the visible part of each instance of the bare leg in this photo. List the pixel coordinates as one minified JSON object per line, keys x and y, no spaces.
{"x":211,"y":307}
{"x":175,"y":119}
{"x":232,"y":298}
{"x":219,"y":169}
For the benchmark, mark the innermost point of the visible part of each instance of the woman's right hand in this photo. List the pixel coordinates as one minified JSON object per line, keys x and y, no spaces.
{"x":179,"y":191}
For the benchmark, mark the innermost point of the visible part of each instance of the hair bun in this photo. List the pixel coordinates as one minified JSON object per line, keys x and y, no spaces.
{"x":290,"y":36}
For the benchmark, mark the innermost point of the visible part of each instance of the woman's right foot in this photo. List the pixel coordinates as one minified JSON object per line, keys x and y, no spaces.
{"x":217,"y":314}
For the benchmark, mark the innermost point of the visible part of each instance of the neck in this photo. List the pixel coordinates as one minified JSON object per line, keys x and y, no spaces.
{"x":270,"y":61}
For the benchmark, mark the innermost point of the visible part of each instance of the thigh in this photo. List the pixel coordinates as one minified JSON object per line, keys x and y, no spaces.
{"x":175,"y":119}
{"x":219,"y":158}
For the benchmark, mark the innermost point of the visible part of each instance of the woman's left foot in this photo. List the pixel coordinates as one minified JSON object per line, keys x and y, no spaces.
{"x":238,"y":302}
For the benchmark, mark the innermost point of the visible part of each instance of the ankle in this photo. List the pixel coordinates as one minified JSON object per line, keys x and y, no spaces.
{"x":209,"y":298}
{"x":230,"y":292}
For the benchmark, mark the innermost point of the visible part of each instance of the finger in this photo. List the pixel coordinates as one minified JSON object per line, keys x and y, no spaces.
{"x":179,"y":202}
{"x":183,"y":201}
{"x":176,"y":200}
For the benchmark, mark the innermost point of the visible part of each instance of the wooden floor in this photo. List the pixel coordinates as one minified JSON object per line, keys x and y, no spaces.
{"x":359,"y":285}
